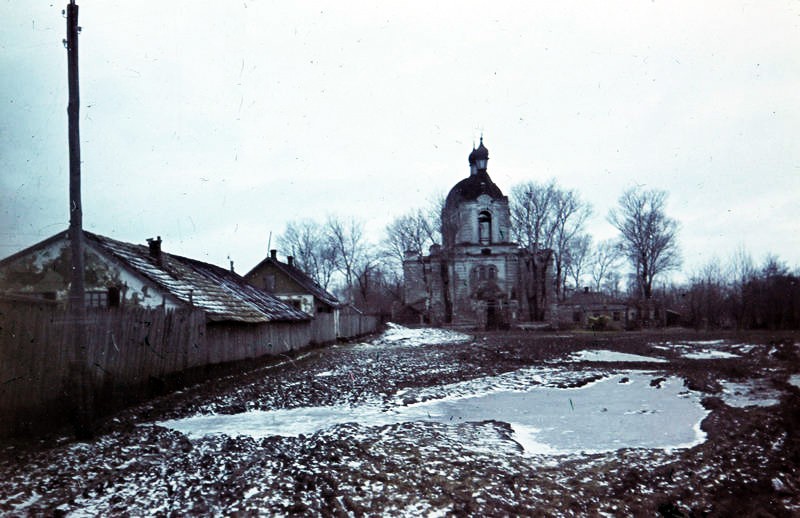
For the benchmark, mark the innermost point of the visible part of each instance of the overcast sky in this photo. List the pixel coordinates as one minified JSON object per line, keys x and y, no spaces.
{"x":213,"y":124}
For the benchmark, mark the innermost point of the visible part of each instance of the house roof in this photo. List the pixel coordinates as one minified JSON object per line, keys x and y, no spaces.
{"x":223,"y":295}
{"x":300,"y":277}
{"x":591,"y":298}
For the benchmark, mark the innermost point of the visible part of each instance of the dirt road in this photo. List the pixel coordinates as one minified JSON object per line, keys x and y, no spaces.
{"x":344,"y":431}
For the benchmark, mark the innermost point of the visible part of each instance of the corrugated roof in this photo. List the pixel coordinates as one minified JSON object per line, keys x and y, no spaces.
{"x":222,"y":294}
{"x":303,"y":280}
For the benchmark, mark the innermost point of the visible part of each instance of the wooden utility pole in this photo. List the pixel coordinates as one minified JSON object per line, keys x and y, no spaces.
{"x":81,"y":380}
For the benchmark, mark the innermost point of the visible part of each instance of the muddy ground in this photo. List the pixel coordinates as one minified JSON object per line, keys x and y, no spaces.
{"x":747,"y":466}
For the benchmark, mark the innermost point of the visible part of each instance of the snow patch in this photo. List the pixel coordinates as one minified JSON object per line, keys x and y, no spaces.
{"x":398,"y":335}
{"x":753,"y":393}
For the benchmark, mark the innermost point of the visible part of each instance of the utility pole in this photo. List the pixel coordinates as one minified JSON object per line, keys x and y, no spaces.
{"x":81,"y":380}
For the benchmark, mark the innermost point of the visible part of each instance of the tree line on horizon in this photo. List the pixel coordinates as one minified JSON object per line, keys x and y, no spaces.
{"x":337,"y":254}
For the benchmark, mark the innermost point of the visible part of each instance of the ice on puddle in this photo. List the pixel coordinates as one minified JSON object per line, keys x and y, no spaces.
{"x":611,"y":356}
{"x":601,"y":416}
{"x":709,"y":355}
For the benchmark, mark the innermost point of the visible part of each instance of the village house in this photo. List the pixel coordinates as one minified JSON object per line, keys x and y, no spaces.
{"x":119,"y":274}
{"x":153,"y":321}
{"x":591,"y":309}
{"x":287,"y":282}
{"x":290,"y":284}
{"x":478,"y":277}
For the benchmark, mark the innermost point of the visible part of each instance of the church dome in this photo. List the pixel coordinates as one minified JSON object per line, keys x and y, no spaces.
{"x":481,"y":153}
{"x":477,"y":183}
{"x":470,"y":188}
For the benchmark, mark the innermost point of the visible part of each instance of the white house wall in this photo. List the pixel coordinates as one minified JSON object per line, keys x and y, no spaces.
{"x":46,"y":271}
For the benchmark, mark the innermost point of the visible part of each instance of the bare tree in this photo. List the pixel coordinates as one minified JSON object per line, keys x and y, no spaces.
{"x":432,"y":212}
{"x":378,"y":286}
{"x":347,"y":239}
{"x":413,"y":231}
{"x":313,"y":252}
{"x":741,"y":271}
{"x":705,"y":296}
{"x":605,"y":260}
{"x":578,"y":257}
{"x":611,"y":284}
{"x":544,"y":216}
{"x":532,"y":220}
{"x":648,"y":237}
{"x":571,"y":214}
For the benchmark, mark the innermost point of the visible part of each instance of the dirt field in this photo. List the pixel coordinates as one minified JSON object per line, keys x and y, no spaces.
{"x":745,"y":462}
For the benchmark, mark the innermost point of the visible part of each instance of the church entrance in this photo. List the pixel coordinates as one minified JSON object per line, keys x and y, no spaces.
{"x":494,"y":315}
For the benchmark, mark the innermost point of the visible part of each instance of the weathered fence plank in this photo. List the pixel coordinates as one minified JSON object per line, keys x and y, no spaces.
{"x":129,"y":348}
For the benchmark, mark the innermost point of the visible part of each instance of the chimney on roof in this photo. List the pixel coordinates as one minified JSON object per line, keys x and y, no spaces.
{"x":155,"y":248}
{"x":232,"y":266}
{"x":273,"y":254}
{"x":290,"y":260}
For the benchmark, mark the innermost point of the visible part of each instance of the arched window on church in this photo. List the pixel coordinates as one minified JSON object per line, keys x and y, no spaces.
{"x":482,"y":273}
{"x":492,"y":273}
{"x":484,"y":228}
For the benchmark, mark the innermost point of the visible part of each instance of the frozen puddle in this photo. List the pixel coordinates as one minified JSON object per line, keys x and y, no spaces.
{"x":611,"y":356}
{"x":620,"y":411}
{"x":710,"y":355}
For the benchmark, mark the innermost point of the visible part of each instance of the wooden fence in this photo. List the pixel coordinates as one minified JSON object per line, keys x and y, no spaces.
{"x":130,"y":350}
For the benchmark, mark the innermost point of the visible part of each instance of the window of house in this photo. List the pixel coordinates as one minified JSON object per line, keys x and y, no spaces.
{"x":96,"y":299}
{"x":269,"y":282}
{"x":484,"y":228}
{"x":616,"y":316}
{"x":576,"y":316}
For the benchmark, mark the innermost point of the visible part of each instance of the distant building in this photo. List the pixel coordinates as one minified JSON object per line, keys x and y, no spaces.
{"x":124,"y":274}
{"x":478,"y":277}
{"x":287,"y":282}
{"x":592,"y":309}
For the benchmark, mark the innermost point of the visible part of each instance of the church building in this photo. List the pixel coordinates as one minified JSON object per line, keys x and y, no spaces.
{"x":478,"y":276}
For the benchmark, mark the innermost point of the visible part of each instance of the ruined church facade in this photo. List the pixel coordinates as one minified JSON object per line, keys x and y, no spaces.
{"x":478,"y":276}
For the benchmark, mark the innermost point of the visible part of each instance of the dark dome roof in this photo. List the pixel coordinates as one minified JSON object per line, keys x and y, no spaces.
{"x":471,"y":187}
{"x":481,"y":153}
